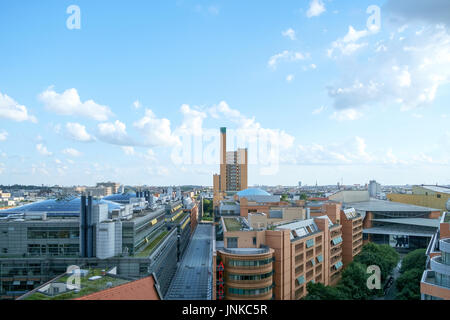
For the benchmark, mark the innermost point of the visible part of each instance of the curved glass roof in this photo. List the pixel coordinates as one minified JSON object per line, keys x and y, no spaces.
{"x":252,"y":192}
{"x":120,"y":197}
{"x":57,"y":207}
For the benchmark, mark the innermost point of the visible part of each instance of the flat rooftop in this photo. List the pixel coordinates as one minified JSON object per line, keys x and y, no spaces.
{"x":233,"y":224}
{"x":422,"y":222}
{"x":386,"y":206}
{"x":193,"y":279}
{"x":437,"y":189}
{"x":87,"y":286}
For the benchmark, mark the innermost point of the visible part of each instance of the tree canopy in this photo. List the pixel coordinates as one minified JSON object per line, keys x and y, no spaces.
{"x":413,"y":266}
{"x":353,"y":283}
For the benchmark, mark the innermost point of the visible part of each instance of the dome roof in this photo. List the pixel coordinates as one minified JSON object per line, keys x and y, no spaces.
{"x":252,"y":192}
{"x":57,"y":207}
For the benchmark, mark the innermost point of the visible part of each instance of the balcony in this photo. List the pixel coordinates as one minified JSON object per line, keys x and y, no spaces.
{"x":438,"y":266}
{"x":444,"y":245}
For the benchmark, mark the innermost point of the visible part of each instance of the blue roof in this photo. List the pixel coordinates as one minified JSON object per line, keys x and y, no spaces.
{"x":121,"y":197}
{"x":57,"y":207}
{"x":252,"y":192}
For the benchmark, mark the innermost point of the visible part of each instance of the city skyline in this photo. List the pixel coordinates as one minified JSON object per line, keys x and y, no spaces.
{"x":341,"y":96}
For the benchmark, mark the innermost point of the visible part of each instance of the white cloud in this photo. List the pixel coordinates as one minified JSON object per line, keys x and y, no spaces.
{"x":346,"y":115}
{"x":3,"y":135}
{"x":11,"y":110}
{"x":192,"y":121}
{"x":157,"y":132}
{"x":407,"y":73}
{"x":290,"y":78}
{"x":316,"y":8}
{"x":71,"y":152}
{"x":249,"y":128}
{"x":114,"y":133}
{"x":129,"y":151}
{"x":43,"y":150}
{"x":289,"y":33}
{"x":347,"y":45}
{"x":78,"y":132}
{"x":69,"y":103}
{"x":286,"y":55}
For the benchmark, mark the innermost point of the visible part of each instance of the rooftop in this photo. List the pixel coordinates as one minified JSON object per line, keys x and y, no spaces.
{"x":193,"y":279}
{"x":413,"y":221}
{"x":232,"y":224}
{"x":142,"y":289}
{"x":152,"y":245}
{"x":437,"y":189}
{"x":87,"y":286}
{"x":384,"y":206}
{"x":252,"y":192}
{"x":57,"y":207}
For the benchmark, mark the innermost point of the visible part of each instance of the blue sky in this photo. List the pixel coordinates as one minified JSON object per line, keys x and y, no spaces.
{"x":114,"y":99}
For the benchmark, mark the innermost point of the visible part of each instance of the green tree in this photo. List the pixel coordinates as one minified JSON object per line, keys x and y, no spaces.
{"x":284,"y":197}
{"x":317,"y":291}
{"x":353,"y":284}
{"x":414,"y":260}
{"x":303,"y":196}
{"x":383,"y":256}
{"x":207,"y":207}
{"x":408,"y":285}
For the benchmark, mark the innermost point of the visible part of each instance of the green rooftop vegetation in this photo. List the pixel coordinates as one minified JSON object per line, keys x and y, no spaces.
{"x":155,"y":241}
{"x":180,"y":218}
{"x":87,"y":287}
{"x":232,"y":224}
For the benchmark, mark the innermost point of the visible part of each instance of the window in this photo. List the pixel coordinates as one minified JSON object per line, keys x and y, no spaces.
{"x":310,"y":243}
{"x":241,"y":277}
{"x":254,"y":241}
{"x":438,"y":195}
{"x":249,"y":263}
{"x":320,"y":258}
{"x":301,"y":280}
{"x":248,"y":292}
{"x":232,"y":242}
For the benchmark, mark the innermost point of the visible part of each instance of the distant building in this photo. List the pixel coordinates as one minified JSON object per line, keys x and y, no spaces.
{"x":233,"y":170}
{"x":426,"y":196}
{"x":374,"y":189}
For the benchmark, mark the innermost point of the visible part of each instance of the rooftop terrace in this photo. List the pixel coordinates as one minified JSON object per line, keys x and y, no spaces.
{"x":87,"y":286}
